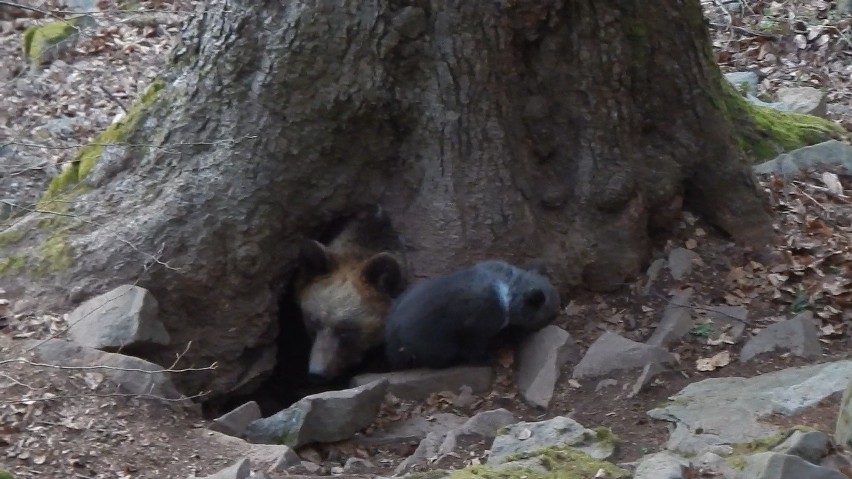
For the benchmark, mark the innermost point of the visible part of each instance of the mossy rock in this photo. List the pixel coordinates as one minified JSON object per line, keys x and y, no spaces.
{"x":42,"y":43}
{"x":88,"y":155}
{"x":764,"y":133}
{"x":4,"y":474}
{"x":549,"y":463}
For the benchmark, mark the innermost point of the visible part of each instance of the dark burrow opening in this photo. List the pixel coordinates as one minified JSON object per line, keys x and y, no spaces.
{"x":289,"y":381}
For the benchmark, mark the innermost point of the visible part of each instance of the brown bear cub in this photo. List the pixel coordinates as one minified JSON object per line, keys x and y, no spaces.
{"x":453,"y":319}
{"x":344,"y":291}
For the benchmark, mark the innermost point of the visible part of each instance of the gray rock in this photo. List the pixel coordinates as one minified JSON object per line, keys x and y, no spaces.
{"x":780,"y":106}
{"x":828,"y":153}
{"x":483,"y":425}
{"x":239,"y":470}
{"x":125,"y":317}
{"x":132,"y":375}
{"x":797,"y":335}
{"x":310,"y":467}
{"x":286,"y":459}
{"x":772,"y":465}
{"x":731,"y":320}
{"x":612,"y":352}
{"x":326,"y":417}
{"x":661,"y":465}
{"x":653,"y":273}
{"x":711,"y":415}
{"x":811,"y":446}
{"x":807,"y":100}
{"x":418,"y":384}
{"x":843,"y":428}
{"x":680,"y":262}
{"x":235,"y":422}
{"x":427,"y":449}
{"x":560,"y":431}
{"x":649,"y":372}
{"x":356,"y":465}
{"x":414,"y":429}
{"x":677,"y":320}
{"x":605,"y":383}
{"x":540,"y":360}
{"x":744,"y":82}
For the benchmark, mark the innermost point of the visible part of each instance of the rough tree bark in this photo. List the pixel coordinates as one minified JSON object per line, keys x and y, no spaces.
{"x":566,"y":130}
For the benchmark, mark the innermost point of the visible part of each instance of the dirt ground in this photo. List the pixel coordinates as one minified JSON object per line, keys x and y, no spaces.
{"x":71,"y":423}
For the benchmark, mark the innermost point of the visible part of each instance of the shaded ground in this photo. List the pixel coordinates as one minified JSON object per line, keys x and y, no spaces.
{"x":67,"y":423}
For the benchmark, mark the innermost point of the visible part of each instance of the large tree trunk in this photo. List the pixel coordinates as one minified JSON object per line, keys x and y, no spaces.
{"x":560,"y":130}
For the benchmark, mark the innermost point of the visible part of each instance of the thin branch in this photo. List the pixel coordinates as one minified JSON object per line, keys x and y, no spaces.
{"x":110,"y":395}
{"x":112,"y":368}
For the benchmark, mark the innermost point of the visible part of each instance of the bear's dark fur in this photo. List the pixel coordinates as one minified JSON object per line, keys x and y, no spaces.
{"x":344,"y":290}
{"x":452,"y":319}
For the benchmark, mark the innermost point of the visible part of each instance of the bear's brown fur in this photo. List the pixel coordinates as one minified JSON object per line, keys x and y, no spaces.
{"x":344,"y":291}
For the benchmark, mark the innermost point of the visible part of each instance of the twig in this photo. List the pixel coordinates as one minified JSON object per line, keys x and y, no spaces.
{"x":806,"y":195}
{"x":123,"y":395}
{"x":113,"y":98}
{"x":112,"y":368}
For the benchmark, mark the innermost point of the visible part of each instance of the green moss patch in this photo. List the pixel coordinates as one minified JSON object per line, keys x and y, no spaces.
{"x":11,"y":236}
{"x":13,"y":264}
{"x":55,"y":255}
{"x":764,"y":133}
{"x":88,"y":155}
{"x":555,"y":463}
{"x":38,"y":38}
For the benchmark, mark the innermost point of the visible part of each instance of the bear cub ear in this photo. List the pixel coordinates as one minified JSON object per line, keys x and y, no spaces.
{"x":383,"y":273}
{"x":534,"y":299}
{"x":315,"y":259}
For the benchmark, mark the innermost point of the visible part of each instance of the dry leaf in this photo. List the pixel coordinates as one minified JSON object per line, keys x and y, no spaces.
{"x":718,"y":361}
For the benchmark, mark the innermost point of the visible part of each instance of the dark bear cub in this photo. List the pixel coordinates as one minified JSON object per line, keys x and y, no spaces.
{"x":344,"y":290}
{"x":453,"y":319}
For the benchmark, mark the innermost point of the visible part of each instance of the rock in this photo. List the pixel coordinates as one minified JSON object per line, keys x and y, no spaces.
{"x":807,"y":100}
{"x":828,"y":153}
{"x":676,"y":322}
{"x":239,"y":470}
{"x":125,"y":317}
{"x":711,"y":415}
{"x":649,"y":372}
{"x":680,"y":262}
{"x":483,"y":425}
{"x":811,"y":446}
{"x":797,"y":335}
{"x":731,"y":320}
{"x":428,"y":448}
{"x":310,"y":467}
{"x":843,"y":428}
{"x":48,"y":41}
{"x":653,"y":273}
{"x":780,"y":106}
{"x":772,"y":465}
{"x":414,"y":429}
{"x":560,"y":431}
{"x":661,"y":465}
{"x":269,"y":457}
{"x":540,"y":359}
{"x":605,"y":383}
{"x":287,"y":458}
{"x":744,"y":82}
{"x":132,"y":375}
{"x":326,"y":417}
{"x":235,"y":422}
{"x":612,"y":352}
{"x":418,"y":384}
{"x":356,"y":465}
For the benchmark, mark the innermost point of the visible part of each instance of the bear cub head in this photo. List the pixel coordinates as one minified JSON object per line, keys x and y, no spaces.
{"x":344,"y":298}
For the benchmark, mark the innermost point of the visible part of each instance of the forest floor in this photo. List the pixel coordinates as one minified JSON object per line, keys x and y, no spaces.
{"x":56,"y":423}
